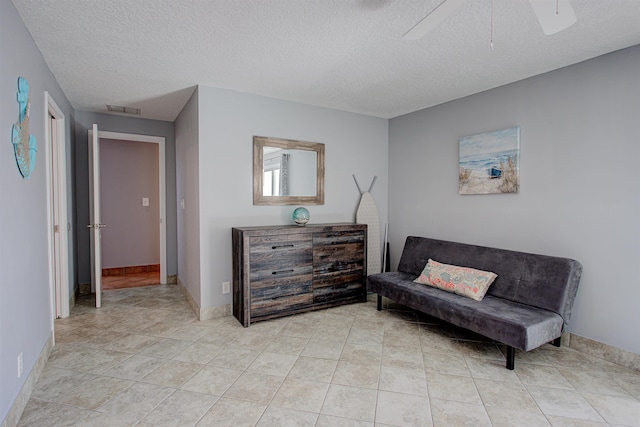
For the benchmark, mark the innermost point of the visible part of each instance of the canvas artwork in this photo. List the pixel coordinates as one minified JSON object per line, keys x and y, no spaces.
{"x":490,"y":162}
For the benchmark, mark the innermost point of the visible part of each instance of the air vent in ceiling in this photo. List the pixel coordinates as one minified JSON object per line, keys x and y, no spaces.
{"x":124,"y":110}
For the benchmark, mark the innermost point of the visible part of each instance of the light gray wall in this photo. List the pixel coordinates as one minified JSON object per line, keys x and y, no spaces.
{"x":26,"y":317}
{"x":129,"y":172}
{"x":113,"y":123}
{"x":188,"y":189}
{"x":228,"y":120}
{"x":580,"y":191}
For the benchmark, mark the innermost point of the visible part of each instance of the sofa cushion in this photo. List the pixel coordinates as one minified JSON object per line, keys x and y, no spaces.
{"x":465,"y":281}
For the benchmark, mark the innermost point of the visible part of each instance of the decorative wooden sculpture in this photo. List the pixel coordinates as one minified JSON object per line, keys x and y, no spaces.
{"x":367,"y":213}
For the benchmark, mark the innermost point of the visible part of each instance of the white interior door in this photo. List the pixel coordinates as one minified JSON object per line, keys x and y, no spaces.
{"x":94,"y":213}
{"x":55,"y":207}
{"x":59,"y":228}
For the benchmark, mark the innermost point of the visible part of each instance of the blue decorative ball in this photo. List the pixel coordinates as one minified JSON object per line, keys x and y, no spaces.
{"x":301,"y":216}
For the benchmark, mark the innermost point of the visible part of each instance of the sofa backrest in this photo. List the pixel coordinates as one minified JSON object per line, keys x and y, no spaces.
{"x":541,"y":281}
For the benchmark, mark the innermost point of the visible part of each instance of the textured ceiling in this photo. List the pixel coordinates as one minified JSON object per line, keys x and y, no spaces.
{"x":347,"y":55}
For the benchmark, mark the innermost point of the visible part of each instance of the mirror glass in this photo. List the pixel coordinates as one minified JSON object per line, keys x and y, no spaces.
{"x":287,"y":172}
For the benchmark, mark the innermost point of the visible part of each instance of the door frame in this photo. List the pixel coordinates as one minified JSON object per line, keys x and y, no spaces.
{"x":56,"y":169}
{"x":95,"y":224}
{"x":160,"y":140}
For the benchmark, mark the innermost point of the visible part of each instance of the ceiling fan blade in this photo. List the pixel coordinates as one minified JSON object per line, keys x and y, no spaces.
{"x":553,"y":15}
{"x":433,"y":19}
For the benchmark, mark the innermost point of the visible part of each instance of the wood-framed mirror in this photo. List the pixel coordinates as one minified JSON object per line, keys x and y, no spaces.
{"x":287,"y":172}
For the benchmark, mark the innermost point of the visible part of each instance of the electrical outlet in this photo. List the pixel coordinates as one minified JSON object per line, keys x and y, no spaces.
{"x":226,"y":287}
{"x":20,"y":365}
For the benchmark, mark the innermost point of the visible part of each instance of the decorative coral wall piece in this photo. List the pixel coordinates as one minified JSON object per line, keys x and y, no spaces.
{"x":25,"y":145}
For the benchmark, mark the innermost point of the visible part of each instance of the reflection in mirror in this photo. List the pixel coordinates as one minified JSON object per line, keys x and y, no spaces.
{"x":287,"y":172}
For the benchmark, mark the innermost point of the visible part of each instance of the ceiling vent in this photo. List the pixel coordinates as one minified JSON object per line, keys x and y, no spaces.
{"x":123,"y":110}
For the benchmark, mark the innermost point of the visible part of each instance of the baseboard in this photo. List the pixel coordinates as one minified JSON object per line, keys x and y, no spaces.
{"x":616,"y":355}
{"x":216,"y":312}
{"x":206,"y":313}
{"x":74,"y":297}
{"x":15,"y":412}
{"x":192,"y":303}
{"x":72,"y":300}
{"x":84,"y":288}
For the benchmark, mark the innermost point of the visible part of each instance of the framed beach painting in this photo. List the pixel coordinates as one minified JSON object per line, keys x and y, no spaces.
{"x":490,"y":162}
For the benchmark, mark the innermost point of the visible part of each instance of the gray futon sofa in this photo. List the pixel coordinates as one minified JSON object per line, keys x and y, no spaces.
{"x":528,"y":304}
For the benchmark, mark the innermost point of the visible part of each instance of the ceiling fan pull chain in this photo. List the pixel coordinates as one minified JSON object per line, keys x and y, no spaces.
{"x":557,"y":7}
{"x":491,"y":43}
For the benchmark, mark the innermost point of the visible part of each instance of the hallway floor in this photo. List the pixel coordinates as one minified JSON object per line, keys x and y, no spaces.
{"x":143,"y":359}
{"x":130,"y":280}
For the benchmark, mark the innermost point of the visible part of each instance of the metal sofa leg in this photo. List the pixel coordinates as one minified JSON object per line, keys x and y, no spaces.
{"x":557,"y":341}
{"x":511,"y":357}
{"x":379,"y":303}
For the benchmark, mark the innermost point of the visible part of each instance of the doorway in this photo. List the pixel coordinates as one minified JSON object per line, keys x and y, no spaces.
{"x":159,"y":202}
{"x":129,"y":195}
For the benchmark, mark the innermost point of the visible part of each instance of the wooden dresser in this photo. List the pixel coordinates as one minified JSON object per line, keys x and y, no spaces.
{"x":282,"y":270}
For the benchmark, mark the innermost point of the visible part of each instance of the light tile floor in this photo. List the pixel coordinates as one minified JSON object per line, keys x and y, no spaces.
{"x":143,"y":359}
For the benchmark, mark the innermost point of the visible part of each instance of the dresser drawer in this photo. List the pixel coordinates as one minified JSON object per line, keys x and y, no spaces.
{"x":347,"y":291}
{"x":338,"y":238}
{"x":281,"y":275}
{"x":279,"y":243}
{"x":282,"y":304}
{"x":338,"y":259}
{"x":337,"y":253}
{"x":280,"y":258}
{"x":281,"y":264}
{"x":337,"y":278}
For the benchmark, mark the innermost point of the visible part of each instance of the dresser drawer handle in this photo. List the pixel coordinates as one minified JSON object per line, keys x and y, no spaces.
{"x":281,"y":246}
{"x":283,"y":271}
{"x":283,"y":296}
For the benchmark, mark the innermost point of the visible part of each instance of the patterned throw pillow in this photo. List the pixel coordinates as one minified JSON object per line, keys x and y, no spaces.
{"x":463,"y":281}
